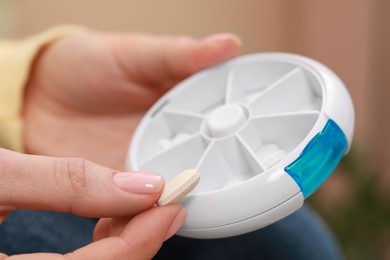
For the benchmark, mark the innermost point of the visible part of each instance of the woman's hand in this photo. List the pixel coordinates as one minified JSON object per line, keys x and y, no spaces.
{"x":87,"y":92}
{"x":87,"y":189}
{"x":84,"y":98}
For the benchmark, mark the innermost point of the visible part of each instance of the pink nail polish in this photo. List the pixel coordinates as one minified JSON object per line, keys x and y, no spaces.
{"x":138,"y":182}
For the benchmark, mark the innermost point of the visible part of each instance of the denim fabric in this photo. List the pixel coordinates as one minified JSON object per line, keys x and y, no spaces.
{"x":301,"y":235}
{"x":26,"y":231}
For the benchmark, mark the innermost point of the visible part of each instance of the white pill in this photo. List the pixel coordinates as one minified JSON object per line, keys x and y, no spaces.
{"x":265,"y":150}
{"x":270,"y":154}
{"x":179,"y":187}
{"x":164,"y":144}
{"x":181,"y":137}
{"x":225,"y":120}
{"x":274,"y":158}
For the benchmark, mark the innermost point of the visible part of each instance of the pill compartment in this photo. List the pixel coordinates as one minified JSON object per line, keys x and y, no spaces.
{"x":175,"y":159}
{"x":231,"y":122}
{"x":226,"y":162}
{"x":247,"y":126}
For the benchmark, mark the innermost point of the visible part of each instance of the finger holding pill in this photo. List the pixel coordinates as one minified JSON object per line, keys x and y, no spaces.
{"x":179,"y":187}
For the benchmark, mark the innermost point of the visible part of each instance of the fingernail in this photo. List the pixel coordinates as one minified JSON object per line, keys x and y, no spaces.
{"x":138,"y":182}
{"x":176,"y":224}
{"x":228,"y":39}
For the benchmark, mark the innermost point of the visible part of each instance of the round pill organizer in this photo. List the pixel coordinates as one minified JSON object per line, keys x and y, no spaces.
{"x":263,"y":130}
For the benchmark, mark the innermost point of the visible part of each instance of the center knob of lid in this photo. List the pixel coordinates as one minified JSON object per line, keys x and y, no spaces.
{"x":225,"y":120}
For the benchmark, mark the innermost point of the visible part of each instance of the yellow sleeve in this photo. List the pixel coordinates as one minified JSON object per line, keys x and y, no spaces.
{"x":16,"y":58}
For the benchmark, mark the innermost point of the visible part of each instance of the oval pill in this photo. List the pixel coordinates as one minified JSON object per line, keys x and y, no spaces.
{"x":179,"y":187}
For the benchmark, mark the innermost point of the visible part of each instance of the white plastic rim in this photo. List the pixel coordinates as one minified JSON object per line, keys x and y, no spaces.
{"x":240,"y":124}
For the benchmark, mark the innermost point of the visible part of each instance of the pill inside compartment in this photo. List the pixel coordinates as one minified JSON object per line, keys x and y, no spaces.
{"x":266,"y":124}
{"x":222,"y":161}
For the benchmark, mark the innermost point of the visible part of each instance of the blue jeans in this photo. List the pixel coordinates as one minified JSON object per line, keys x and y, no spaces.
{"x":301,"y":235}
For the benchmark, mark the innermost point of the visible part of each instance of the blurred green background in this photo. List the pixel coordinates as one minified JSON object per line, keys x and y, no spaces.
{"x":352,"y":37}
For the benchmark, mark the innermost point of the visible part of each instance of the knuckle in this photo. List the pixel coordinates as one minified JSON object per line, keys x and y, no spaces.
{"x":76,"y":172}
{"x":73,"y":170}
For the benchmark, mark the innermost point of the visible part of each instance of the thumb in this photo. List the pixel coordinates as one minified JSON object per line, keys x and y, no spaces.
{"x":74,"y":185}
{"x":141,"y":238}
